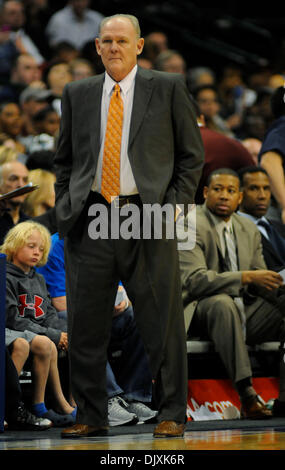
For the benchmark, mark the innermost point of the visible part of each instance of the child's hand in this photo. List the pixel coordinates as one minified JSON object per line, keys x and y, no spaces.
{"x":63,"y":342}
{"x":120,"y":308}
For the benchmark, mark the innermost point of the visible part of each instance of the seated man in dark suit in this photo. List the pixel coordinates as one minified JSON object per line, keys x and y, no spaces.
{"x":256,"y":190}
{"x":224,"y":278}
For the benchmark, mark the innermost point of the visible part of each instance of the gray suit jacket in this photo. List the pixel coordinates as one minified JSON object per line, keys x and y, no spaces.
{"x":165,"y":146}
{"x":203,"y":271}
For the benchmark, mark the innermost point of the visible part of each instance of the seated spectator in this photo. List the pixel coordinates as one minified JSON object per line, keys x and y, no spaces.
{"x":24,"y":72}
{"x":57,"y":75}
{"x":198,"y":76}
{"x":43,"y":352}
{"x":31,"y":317}
{"x":209,"y":103}
{"x":13,"y":175}
{"x":38,"y":13}
{"x":46,"y":121}
{"x":7,"y":142}
{"x":81,"y":68}
{"x":272,"y":154}
{"x":13,"y":16}
{"x":40,"y":201}
{"x":75,"y":23}
{"x":257,"y":117}
{"x":32,"y":100}
{"x":253,"y":145}
{"x":227,"y":288}
{"x":64,"y":52}
{"x":159,"y":39}
{"x":11,"y":124}
{"x":45,"y":124}
{"x":170,"y":61}
{"x":9,"y":51}
{"x":261,"y":106}
{"x":256,"y":191}
{"x":220,"y":152}
{"x":7,"y":154}
{"x":235,"y":95}
{"x":129,"y":388}
{"x":17,"y":416}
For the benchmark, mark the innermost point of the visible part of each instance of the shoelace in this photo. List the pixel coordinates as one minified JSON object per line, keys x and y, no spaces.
{"x":119,"y":401}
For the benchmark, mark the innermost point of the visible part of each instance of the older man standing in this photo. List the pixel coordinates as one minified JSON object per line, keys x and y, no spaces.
{"x":156,"y":158}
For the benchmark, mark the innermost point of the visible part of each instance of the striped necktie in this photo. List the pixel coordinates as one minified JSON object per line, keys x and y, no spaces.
{"x":232,"y":263}
{"x":231,"y":254}
{"x":110,"y":183}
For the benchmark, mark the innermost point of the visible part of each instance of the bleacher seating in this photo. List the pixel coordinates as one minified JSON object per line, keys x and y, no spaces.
{"x":197,"y":346}
{"x":205,"y":363}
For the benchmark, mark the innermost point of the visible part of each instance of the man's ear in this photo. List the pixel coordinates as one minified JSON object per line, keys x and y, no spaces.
{"x":97,"y":45}
{"x":240,"y":197}
{"x":140,"y":45}
{"x":205,"y":192}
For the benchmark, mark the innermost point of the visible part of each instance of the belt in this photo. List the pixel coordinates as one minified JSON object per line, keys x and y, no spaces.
{"x":122,"y":201}
{"x":119,"y":201}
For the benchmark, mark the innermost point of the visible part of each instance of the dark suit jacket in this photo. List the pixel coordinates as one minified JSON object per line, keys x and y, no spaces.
{"x":273,"y":258}
{"x":165,"y":147}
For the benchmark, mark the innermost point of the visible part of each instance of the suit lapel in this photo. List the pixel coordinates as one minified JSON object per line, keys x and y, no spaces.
{"x":273,"y":253}
{"x":214,"y":231}
{"x":93,"y":113}
{"x":242,"y":252}
{"x":142,"y":94}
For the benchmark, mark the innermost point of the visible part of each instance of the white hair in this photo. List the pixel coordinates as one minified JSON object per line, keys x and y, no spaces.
{"x":133,"y":19}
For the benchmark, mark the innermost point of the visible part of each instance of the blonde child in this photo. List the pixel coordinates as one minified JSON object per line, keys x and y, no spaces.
{"x":31,"y":317}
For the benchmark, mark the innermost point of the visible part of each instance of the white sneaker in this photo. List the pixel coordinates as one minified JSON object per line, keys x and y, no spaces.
{"x":143,"y":412}
{"x":118,"y":412}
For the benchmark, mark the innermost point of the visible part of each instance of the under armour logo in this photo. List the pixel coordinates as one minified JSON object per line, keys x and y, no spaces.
{"x":35,"y":306}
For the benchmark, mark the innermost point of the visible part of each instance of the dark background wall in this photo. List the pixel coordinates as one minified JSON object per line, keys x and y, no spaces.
{"x":248,"y":35}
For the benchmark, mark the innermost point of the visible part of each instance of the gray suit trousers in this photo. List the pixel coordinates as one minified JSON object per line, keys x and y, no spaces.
{"x":150,"y":273}
{"x":217,"y":318}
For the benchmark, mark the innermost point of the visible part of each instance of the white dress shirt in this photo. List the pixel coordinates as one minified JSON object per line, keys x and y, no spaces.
{"x":220,"y":225}
{"x":127,"y":182}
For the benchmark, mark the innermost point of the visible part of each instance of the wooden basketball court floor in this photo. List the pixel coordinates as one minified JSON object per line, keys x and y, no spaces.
{"x":238,"y":438}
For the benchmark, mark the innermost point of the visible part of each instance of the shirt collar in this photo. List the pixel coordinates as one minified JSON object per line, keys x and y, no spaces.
{"x":125,"y":84}
{"x":219,"y":223}
{"x":252,"y":218}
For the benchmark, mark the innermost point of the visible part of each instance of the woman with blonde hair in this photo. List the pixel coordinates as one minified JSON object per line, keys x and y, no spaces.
{"x":43,"y":199}
{"x":7,"y":154}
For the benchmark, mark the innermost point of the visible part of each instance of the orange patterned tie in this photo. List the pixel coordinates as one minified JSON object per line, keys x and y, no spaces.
{"x":110,"y":184}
